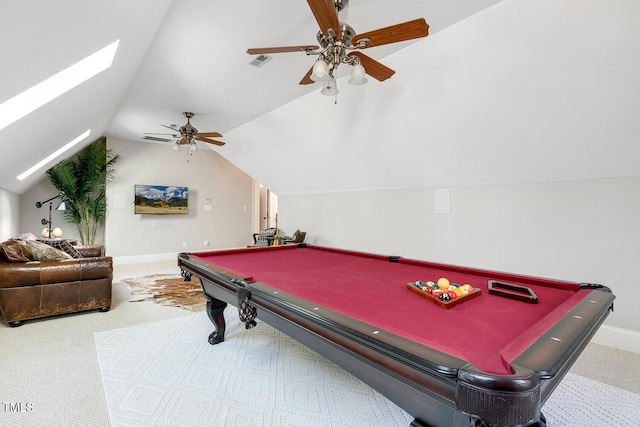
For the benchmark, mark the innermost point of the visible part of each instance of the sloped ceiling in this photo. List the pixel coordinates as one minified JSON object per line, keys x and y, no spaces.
{"x":525,"y":91}
{"x":41,"y":38}
{"x":501,"y":91}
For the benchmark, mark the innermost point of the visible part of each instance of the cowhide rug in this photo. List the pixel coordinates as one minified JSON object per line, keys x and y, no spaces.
{"x":168,"y":289}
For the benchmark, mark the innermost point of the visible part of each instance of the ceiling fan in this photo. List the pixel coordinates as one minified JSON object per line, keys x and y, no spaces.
{"x":339,"y":44}
{"x":187,"y":135}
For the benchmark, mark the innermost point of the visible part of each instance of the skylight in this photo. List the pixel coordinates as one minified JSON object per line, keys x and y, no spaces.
{"x":53,"y":155}
{"x":31,"y":99}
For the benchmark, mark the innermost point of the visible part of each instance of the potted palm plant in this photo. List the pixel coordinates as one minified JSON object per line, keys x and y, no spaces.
{"x":83,"y":178}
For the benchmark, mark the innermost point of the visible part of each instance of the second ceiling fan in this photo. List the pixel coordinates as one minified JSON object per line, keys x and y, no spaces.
{"x":188,"y":135}
{"x":340,"y":44}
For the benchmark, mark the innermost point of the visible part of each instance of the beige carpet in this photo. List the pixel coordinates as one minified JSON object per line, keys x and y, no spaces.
{"x":168,"y":289}
{"x":166,"y":374}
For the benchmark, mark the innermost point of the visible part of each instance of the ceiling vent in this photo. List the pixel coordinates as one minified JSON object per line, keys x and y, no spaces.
{"x":260,"y":60}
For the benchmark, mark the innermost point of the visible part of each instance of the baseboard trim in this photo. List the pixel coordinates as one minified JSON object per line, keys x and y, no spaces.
{"x":622,"y":339}
{"x":140,"y":259}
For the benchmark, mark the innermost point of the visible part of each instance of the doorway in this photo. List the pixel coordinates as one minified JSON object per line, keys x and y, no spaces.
{"x":267,"y":203}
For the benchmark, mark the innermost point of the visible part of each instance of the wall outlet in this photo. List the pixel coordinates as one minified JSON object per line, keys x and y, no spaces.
{"x":205,"y":243}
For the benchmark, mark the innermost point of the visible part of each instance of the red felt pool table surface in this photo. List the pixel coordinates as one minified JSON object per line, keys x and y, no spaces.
{"x":488,"y":331}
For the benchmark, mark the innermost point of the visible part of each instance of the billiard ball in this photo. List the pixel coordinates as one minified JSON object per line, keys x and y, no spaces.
{"x":452,"y":294}
{"x":443,"y":282}
{"x":444,"y":296}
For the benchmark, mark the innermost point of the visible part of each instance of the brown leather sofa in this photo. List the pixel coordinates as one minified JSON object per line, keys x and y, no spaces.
{"x":35,"y":289}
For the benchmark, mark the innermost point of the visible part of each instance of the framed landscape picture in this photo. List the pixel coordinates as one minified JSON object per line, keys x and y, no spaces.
{"x":161,"y":199}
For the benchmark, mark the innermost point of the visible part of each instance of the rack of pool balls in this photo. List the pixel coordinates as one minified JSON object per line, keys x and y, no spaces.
{"x":443,"y":293}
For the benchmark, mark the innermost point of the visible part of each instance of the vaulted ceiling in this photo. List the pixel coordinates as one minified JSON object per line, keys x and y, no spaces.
{"x":500,"y":90}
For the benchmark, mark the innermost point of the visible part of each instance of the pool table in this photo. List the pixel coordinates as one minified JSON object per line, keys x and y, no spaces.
{"x":490,"y":359}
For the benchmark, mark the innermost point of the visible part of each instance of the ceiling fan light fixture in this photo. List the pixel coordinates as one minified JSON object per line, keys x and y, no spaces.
{"x":320,"y":71}
{"x":176,"y":146}
{"x":330,"y":87}
{"x":358,"y":75}
{"x":337,"y":39}
{"x":192,"y":148}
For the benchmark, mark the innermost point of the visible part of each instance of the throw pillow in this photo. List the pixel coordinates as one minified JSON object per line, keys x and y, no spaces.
{"x":63,"y":245}
{"x":44,"y":252}
{"x":26,"y":236}
{"x":14,"y":251}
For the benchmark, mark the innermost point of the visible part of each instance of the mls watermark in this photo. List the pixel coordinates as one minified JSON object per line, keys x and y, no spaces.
{"x":16,"y":407}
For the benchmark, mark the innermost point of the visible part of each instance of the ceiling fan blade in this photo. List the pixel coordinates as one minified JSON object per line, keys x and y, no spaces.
{"x":395,"y":33}
{"x":374,"y":68}
{"x":210,"y":134}
{"x":211,"y":141}
{"x":306,"y":80}
{"x":170,"y":134}
{"x":281,"y":49}
{"x":326,"y":16}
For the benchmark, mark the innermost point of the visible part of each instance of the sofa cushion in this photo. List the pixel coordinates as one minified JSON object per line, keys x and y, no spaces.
{"x":14,"y":251}
{"x":26,"y":236}
{"x":43,"y":252}
{"x":64,"y":246}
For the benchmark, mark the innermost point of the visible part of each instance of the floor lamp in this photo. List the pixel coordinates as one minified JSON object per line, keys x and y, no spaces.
{"x":61,"y":207}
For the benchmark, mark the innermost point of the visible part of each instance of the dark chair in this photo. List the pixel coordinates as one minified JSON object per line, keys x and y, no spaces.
{"x":264,"y":237}
{"x":298,"y":237}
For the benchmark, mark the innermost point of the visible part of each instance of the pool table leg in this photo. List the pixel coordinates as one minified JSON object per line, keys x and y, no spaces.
{"x":215,"y":311}
{"x":542,"y":422}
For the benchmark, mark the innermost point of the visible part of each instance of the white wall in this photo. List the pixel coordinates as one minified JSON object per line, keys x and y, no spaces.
{"x":227,"y":224}
{"x":577,"y":230}
{"x":9,"y":214}
{"x":207,"y":174}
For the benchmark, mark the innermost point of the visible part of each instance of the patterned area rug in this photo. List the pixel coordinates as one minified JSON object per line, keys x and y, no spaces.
{"x":166,"y":374}
{"x":168,"y":289}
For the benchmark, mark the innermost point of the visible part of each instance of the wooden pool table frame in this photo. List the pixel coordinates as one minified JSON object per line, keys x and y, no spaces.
{"x":435,"y":388}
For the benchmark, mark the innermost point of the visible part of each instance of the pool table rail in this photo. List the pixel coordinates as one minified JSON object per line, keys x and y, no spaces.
{"x":426,"y":383}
